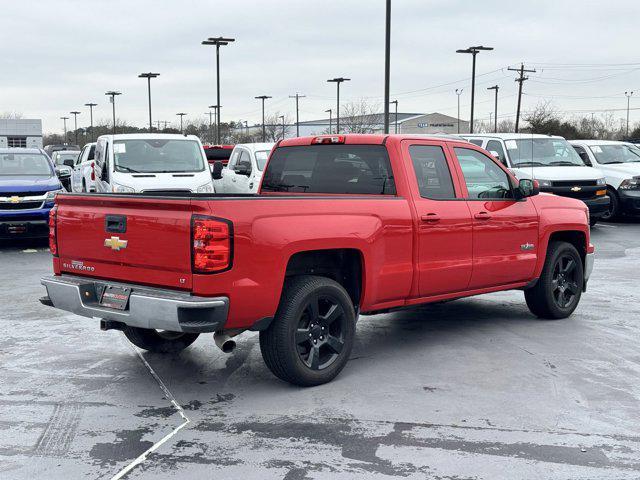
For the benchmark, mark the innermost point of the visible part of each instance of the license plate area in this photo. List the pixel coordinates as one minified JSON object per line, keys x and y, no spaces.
{"x":114,"y":297}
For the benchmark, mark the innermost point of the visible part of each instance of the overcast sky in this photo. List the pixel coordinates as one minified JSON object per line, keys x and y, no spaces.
{"x":58,"y":55}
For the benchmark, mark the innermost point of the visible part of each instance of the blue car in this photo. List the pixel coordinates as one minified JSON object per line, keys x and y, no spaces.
{"x":28,"y":186}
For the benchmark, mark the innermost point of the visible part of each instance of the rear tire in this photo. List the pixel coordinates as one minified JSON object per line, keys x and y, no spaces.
{"x":311,"y":337}
{"x":558,"y":291}
{"x":159,"y":341}
{"x":614,"y":206}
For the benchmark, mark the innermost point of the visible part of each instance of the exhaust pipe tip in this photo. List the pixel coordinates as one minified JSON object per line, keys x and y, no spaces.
{"x":224,"y":342}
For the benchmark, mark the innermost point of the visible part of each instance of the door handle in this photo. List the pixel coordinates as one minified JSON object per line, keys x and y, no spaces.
{"x":482,"y":216}
{"x":430,"y":217}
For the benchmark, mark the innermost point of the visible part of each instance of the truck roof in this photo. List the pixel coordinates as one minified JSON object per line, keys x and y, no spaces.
{"x":21,"y":150}
{"x":255,"y":147}
{"x":367,"y":138}
{"x":509,"y":136}
{"x":599,"y":142}
{"x":149,"y":136}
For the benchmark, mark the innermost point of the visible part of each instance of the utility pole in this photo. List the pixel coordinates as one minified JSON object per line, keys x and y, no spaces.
{"x":181,"y":114}
{"x":458,"y":93}
{"x":473,"y":51}
{"x":75,"y":124}
{"x":282,"y":118}
{"x":521,"y":79}
{"x":113,"y":95}
{"x":297,"y":96}
{"x":64,"y":119}
{"x":395,"y":102}
{"x":387,"y":68}
{"x":628,"y":95}
{"x":218,"y":41}
{"x":329,"y":110}
{"x":215,"y":114}
{"x":264,"y":132}
{"x":495,"y":111}
{"x":338,"y":81}
{"x":158,"y":122}
{"x":149,"y":76}
{"x":91,"y":105}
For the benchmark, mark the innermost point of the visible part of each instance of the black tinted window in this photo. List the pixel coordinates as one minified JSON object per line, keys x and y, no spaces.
{"x":432,"y":171}
{"x":359,"y":169}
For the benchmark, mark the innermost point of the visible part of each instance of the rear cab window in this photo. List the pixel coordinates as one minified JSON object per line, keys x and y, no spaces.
{"x":332,"y":169}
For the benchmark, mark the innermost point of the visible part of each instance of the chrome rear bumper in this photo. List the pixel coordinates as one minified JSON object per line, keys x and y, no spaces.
{"x":148,"y":307}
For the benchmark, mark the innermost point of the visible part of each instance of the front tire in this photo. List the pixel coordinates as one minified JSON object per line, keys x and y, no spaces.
{"x":159,"y":341}
{"x":311,"y":337}
{"x":613,"y":212}
{"x":558,"y":291}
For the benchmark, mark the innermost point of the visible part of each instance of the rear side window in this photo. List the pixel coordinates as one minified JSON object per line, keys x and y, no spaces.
{"x":342,"y":169}
{"x":476,"y":141}
{"x":432,"y":172}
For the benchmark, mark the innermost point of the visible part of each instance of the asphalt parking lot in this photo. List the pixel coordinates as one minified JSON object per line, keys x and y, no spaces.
{"x":472,"y":389}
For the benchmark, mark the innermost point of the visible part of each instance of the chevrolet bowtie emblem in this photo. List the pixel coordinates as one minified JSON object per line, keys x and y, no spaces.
{"x":14,"y":199}
{"x":576,"y":189}
{"x":114,"y":243}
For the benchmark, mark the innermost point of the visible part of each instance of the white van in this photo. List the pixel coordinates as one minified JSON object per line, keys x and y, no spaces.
{"x":243,"y":173}
{"x":139,"y":163}
{"x":620,"y":163}
{"x":553,"y":162}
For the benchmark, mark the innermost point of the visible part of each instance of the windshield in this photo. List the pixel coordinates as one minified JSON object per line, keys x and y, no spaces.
{"x":261,"y":158}
{"x":59,"y":158}
{"x":25,"y":164}
{"x":547,"y":152}
{"x":607,"y":154}
{"x":158,"y":156}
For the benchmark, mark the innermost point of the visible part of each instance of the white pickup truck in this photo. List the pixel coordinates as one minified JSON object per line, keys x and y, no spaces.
{"x":553,"y":162}
{"x":83,"y":176}
{"x":243,"y":173}
{"x":620,"y":163}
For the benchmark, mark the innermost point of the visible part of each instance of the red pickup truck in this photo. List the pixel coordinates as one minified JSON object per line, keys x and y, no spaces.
{"x":343,"y":226}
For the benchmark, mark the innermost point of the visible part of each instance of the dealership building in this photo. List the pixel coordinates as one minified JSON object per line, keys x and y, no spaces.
{"x":20,"y":132}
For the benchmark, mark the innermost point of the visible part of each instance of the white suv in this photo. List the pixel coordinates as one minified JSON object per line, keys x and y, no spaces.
{"x":553,"y":162}
{"x":620,"y":163}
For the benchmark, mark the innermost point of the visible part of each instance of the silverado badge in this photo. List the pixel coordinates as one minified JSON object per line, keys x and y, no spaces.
{"x":527,"y":246}
{"x":114,"y":243}
{"x":576,"y":189}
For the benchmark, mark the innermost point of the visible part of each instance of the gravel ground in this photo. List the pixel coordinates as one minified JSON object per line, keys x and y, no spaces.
{"x":472,"y":389}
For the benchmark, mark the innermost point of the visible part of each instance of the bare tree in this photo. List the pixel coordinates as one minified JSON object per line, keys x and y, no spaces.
{"x":13,"y":115}
{"x":273,"y":126}
{"x":360,"y":117}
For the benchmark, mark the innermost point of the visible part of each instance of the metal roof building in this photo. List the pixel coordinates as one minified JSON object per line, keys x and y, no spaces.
{"x":20,"y":132}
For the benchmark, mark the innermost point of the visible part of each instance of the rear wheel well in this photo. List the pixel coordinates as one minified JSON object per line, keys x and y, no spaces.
{"x":343,"y":265}
{"x":574,"y":237}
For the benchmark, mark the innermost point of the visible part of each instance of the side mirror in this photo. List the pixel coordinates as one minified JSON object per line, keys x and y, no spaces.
{"x":528,"y":187}
{"x":62,"y":173}
{"x":68,"y":162}
{"x":216,"y":172}
{"x":495,"y":155}
{"x":243,"y":169}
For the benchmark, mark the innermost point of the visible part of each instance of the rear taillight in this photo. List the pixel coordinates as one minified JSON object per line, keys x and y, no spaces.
{"x":53,"y":242}
{"x":212,"y":240}
{"x":332,"y":139}
{"x":93,"y":172}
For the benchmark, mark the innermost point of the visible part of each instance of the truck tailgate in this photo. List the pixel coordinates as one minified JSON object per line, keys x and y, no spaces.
{"x":140,"y":240}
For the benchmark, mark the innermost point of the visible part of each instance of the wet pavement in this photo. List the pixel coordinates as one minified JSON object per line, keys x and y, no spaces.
{"x":472,"y":389}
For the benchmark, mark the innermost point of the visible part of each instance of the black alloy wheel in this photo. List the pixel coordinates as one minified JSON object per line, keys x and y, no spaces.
{"x":564,"y":282}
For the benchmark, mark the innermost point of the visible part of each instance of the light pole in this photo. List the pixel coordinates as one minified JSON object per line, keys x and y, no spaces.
{"x":75,"y":124}
{"x":264,"y":132}
{"x":149,"y":76}
{"x":218,"y":41}
{"x":628,"y":95}
{"x":91,"y":105}
{"x":181,"y":114}
{"x":329,"y":110}
{"x":458,"y":93}
{"x":387,"y":67}
{"x":338,"y":81}
{"x":282,"y":118}
{"x":64,"y":119}
{"x":495,"y":111}
{"x":216,"y":114}
{"x":246,"y":125}
{"x":113,"y":95}
{"x":473,"y":51}
{"x":395,"y":102}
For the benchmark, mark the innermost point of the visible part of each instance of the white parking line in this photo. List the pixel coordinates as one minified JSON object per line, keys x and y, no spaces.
{"x":158,"y":444}
{"x":608,"y":226}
